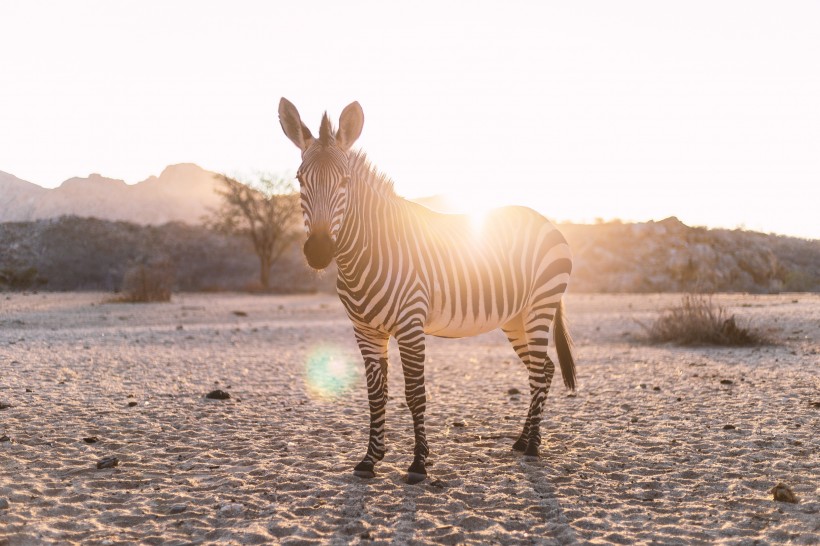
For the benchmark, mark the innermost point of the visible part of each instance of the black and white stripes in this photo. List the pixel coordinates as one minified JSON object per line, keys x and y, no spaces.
{"x":406,"y":271}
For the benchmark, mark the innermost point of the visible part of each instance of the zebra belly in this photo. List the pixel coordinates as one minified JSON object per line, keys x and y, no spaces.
{"x":461,"y":330}
{"x":443,"y":323}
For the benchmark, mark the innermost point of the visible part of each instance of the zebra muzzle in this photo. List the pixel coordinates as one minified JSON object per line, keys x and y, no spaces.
{"x":319,"y":249}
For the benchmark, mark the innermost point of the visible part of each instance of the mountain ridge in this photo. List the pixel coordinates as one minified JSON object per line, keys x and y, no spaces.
{"x":183,"y":192}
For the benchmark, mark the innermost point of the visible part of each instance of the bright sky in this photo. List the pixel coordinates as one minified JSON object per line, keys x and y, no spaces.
{"x":707,"y":110}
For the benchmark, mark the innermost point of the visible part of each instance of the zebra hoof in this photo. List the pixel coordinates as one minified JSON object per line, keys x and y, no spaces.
{"x":415,"y":477}
{"x":520,"y":445}
{"x":364,"y":470}
{"x":416,"y":473}
{"x":531,"y":451}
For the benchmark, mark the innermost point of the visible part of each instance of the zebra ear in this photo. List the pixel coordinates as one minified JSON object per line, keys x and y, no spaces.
{"x":292,"y":125}
{"x":350,"y":125}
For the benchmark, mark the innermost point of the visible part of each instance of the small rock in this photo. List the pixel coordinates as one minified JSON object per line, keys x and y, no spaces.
{"x":726,"y":381}
{"x":240,"y":313}
{"x":231,"y":510}
{"x":459,"y":423}
{"x":782,"y":493}
{"x":179,"y":327}
{"x":634,"y":419}
{"x":131,"y":404}
{"x":178,"y":508}
{"x":642,"y":385}
{"x":513,"y":391}
{"x":29,"y":390}
{"x":815,"y":404}
{"x":4,"y":504}
{"x":4,"y":438}
{"x":656,"y":388}
{"x":4,"y":405}
{"x":108,"y":462}
{"x":218,"y":395}
{"x":437,"y":483}
{"x":729,"y":427}
{"x":91,"y":439}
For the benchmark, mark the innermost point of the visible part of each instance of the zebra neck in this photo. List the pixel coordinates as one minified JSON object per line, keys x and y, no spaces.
{"x":372,"y":207}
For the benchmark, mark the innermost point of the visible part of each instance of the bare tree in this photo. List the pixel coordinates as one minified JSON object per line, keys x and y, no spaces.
{"x":266,"y":210}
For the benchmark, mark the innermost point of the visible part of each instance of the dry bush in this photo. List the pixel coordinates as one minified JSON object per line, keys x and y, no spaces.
{"x":699,"y":321}
{"x":145,"y":283}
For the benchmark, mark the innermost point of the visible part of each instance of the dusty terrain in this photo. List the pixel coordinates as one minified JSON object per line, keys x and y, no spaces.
{"x":660,"y":444}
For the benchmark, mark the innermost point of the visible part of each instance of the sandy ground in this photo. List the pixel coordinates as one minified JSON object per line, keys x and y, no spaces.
{"x":642,"y":454}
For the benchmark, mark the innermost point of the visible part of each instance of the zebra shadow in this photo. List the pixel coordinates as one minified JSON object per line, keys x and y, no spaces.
{"x":458,"y":503}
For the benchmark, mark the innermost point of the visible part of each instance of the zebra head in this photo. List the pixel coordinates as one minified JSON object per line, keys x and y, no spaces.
{"x":323,"y":176}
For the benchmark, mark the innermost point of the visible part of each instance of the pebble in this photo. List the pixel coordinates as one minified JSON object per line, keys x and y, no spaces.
{"x":91,"y":439}
{"x":108,"y":462}
{"x":4,"y":405}
{"x":131,"y":404}
{"x":513,"y":391}
{"x":231,"y":509}
{"x":459,"y":423}
{"x":218,"y":395}
{"x":4,"y":504}
{"x":781,"y":492}
{"x":729,"y":427}
{"x":178,"y":508}
{"x":4,"y":438}
{"x":726,"y":381}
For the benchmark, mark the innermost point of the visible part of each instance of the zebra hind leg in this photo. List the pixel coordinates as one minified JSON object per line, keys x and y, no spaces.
{"x":530,"y":339}
{"x":518,"y":339}
{"x":374,"y":351}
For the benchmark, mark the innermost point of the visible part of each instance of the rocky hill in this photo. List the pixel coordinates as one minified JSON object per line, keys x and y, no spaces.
{"x":668,"y":256}
{"x":182,"y":193}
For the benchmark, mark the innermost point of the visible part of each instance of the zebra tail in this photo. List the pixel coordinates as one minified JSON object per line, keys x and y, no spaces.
{"x":563,"y":345}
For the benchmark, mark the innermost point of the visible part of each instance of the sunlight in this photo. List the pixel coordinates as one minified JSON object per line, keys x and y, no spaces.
{"x":329,"y":372}
{"x":478,"y":218}
{"x":476,"y":205}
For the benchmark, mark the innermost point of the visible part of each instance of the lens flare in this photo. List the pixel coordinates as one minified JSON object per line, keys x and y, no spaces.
{"x":330,"y":372}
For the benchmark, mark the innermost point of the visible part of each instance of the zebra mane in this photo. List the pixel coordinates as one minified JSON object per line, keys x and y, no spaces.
{"x":327,"y":133}
{"x":370,"y":177}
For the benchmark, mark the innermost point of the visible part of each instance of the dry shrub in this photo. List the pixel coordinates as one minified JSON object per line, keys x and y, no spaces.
{"x":145,"y":283}
{"x":699,"y":321}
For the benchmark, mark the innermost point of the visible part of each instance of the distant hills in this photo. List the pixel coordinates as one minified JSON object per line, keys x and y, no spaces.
{"x":182,"y":193}
{"x":87,"y":232}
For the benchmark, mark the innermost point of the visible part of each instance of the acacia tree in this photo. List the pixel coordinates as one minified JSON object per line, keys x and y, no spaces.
{"x":266,"y":210}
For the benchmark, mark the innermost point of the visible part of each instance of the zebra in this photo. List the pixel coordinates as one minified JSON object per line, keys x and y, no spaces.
{"x":407,"y":271}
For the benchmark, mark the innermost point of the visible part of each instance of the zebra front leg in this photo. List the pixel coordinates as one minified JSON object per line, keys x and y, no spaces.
{"x":373,"y":346}
{"x":411,"y":347}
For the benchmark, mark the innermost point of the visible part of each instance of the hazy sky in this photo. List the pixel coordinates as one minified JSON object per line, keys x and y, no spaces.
{"x":709,"y":111}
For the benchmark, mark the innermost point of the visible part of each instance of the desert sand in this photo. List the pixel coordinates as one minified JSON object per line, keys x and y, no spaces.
{"x":660,"y":443}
